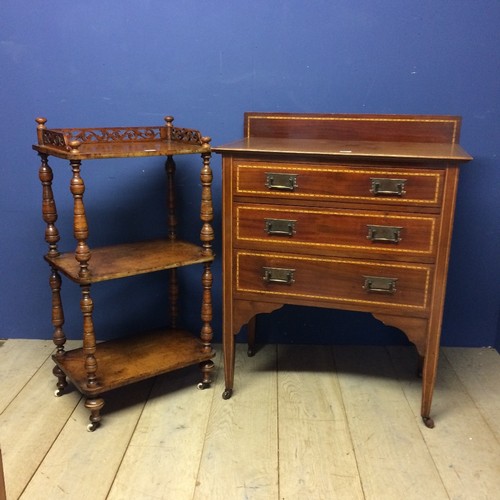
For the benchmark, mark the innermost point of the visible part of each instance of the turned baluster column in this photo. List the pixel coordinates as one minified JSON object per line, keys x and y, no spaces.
{"x":94,"y":404}
{"x":49,"y":210}
{"x":207,"y":237}
{"x":80,"y":225}
{"x":49,"y":213}
{"x":82,"y":255}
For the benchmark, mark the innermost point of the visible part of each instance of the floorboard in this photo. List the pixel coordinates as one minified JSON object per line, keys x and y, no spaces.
{"x":478,"y":371}
{"x":464,"y":448}
{"x":304,"y":422}
{"x":386,"y":435}
{"x":34,"y":354}
{"x":163,"y":457}
{"x":316,"y":455}
{"x":240,"y":457}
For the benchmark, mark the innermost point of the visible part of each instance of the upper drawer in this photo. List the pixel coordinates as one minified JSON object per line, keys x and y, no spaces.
{"x":353,"y":233}
{"x":327,"y":182}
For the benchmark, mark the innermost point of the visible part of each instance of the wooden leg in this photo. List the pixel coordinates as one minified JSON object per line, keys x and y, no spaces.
{"x":426,"y":339}
{"x":237,"y":313}
{"x":229,"y":356}
{"x":429,"y":371}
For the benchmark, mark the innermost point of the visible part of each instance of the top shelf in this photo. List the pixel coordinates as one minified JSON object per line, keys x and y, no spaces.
{"x":119,"y":142}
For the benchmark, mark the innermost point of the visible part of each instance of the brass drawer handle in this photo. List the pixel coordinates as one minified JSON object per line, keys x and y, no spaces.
{"x":378,"y":284}
{"x":286,"y":182}
{"x":281,"y":227}
{"x":278,"y":275}
{"x":390,"y":234}
{"x":387,"y":187}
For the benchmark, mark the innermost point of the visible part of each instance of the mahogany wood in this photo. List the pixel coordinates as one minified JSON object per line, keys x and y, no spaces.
{"x":329,"y":183}
{"x":99,"y":367}
{"x":342,"y":232}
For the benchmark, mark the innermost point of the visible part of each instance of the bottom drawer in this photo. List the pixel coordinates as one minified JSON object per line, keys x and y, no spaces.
{"x":349,"y":282}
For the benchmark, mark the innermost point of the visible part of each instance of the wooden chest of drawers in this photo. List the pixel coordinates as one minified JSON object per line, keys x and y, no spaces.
{"x":341,"y":211}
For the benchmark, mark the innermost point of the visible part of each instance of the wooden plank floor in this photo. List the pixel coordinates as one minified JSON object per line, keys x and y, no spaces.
{"x":310,"y":422}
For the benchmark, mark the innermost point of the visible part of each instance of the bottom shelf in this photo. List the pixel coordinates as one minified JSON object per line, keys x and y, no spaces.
{"x":127,"y":360}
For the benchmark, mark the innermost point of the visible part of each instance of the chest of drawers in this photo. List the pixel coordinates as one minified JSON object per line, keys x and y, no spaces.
{"x":341,"y":211}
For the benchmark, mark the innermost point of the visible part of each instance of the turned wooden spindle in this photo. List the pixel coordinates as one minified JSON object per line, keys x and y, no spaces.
{"x":49,"y":210}
{"x":59,"y":338}
{"x":80,"y":225}
{"x":207,"y":237}
{"x":206,"y":308}
{"x":207,"y":210}
{"x":89,"y":343}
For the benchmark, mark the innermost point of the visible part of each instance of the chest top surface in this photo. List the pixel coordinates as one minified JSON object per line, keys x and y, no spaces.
{"x":335,"y":136}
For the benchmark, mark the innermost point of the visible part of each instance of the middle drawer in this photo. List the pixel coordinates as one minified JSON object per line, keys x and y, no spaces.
{"x":342,"y":232}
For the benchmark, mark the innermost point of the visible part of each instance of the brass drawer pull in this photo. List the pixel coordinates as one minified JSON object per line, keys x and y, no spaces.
{"x":287,"y":182}
{"x":390,"y":234}
{"x":388,"y":187}
{"x":378,"y":284}
{"x":278,"y":275}
{"x":283,"y":227}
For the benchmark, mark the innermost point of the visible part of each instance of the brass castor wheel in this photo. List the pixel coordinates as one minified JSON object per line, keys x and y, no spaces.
{"x":92,"y":426}
{"x":58,"y":393}
{"x":227,"y":394}
{"x":203,"y":385}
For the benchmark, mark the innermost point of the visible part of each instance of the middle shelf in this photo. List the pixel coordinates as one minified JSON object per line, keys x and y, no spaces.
{"x":130,"y":259}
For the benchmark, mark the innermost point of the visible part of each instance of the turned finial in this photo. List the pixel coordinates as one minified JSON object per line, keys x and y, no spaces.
{"x":169,"y":120}
{"x":74,"y":146}
{"x":41,"y":126}
{"x":205,"y":142}
{"x":41,"y":121}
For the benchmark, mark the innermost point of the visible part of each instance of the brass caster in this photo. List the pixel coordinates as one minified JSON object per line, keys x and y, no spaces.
{"x":227,"y":394}
{"x":250,"y":352}
{"x":58,"y":393}
{"x":203,"y":385}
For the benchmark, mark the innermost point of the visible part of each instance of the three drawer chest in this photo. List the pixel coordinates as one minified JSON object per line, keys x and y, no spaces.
{"x":351,"y":212}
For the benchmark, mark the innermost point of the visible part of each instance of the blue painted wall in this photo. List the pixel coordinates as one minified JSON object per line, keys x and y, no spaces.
{"x":99,"y":63}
